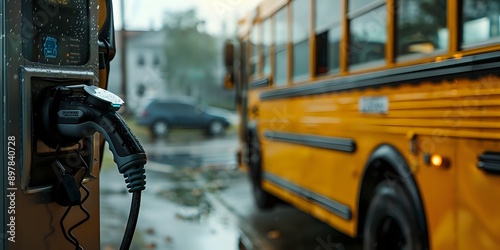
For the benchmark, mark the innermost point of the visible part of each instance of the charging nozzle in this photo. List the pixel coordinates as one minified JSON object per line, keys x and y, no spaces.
{"x":71,"y":113}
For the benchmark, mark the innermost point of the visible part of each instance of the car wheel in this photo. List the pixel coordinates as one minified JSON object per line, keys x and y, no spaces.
{"x":263,"y":199}
{"x":216,"y":128}
{"x":391,"y":220}
{"x":160,"y":129}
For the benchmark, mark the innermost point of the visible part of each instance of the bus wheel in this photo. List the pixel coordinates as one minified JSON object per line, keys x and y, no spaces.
{"x":390,"y":221}
{"x":263,"y":199}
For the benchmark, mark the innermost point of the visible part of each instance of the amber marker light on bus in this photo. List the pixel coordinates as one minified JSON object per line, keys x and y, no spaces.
{"x":436,"y":161}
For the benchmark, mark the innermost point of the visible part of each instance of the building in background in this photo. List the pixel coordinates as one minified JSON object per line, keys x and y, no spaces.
{"x":147,"y":78}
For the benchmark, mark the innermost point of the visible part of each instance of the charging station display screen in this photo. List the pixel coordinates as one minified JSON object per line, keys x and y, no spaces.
{"x":56,"y":31}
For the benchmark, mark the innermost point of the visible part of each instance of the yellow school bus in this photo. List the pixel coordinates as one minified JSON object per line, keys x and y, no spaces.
{"x":379,"y":117}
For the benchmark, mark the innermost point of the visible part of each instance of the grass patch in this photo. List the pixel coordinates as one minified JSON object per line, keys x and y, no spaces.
{"x":107,"y":160}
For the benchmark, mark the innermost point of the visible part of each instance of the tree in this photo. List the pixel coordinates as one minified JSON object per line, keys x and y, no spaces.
{"x":191,"y":53}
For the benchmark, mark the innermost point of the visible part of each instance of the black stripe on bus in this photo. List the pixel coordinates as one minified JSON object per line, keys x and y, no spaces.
{"x":331,"y":205}
{"x":333,"y":143}
{"x":264,"y":82}
{"x":470,"y":66}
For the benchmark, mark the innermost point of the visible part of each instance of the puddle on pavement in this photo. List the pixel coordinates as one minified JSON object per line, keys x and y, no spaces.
{"x":190,"y":187}
{"x":178,"y":159}
{"x":217,"y":179}
{"x":191,"y":197}
{"x":182,"y":136}
{"x":194,"y":205}
{"x":188,"y":193}
{"x":182,"y":175}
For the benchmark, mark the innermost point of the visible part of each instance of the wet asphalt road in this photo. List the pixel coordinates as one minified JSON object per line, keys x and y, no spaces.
{"x":196,"y":199}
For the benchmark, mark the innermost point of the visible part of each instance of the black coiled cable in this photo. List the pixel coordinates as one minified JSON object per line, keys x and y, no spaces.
{"x":135,"y":178}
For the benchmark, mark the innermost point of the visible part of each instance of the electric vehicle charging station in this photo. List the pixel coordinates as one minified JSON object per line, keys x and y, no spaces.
{"x":55,"y":55}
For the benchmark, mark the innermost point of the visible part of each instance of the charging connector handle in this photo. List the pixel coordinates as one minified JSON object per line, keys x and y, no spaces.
{"x":82,"y":113}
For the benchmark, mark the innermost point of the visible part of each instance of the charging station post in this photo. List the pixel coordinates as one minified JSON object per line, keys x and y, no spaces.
{"x":46,"y":44}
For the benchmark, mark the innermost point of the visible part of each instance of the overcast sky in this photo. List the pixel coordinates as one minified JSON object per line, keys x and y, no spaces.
{"x":149,"y":14}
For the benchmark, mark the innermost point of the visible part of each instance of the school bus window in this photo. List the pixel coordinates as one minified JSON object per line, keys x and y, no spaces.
{"x":421,"y":27}
{"x":481,"y":21}
{"x":281,"y":34}
{"x":368,"y":37}
{"x":328,"y":34}
{"x":301,"y":10}
{"x":255,"y":44}
{"x":267,"y":42}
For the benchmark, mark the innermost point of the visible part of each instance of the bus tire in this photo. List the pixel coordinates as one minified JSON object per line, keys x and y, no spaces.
{"x":263,"y":199}
{"x":391,"y":220}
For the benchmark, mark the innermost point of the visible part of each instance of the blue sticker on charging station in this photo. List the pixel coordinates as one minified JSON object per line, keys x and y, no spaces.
{"x":50,"y":47}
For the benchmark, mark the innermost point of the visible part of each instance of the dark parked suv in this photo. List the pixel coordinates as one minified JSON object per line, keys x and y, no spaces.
{"x":162,"y":115}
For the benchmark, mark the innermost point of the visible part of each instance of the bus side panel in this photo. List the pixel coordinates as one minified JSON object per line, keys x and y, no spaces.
{"x":479,"y":198}
{"x":336,"y":174}
{"x":437,"y":188}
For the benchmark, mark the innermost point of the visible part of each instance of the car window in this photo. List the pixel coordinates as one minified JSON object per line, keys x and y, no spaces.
{"x":176,"y":107}
{"x":163,"y":106}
